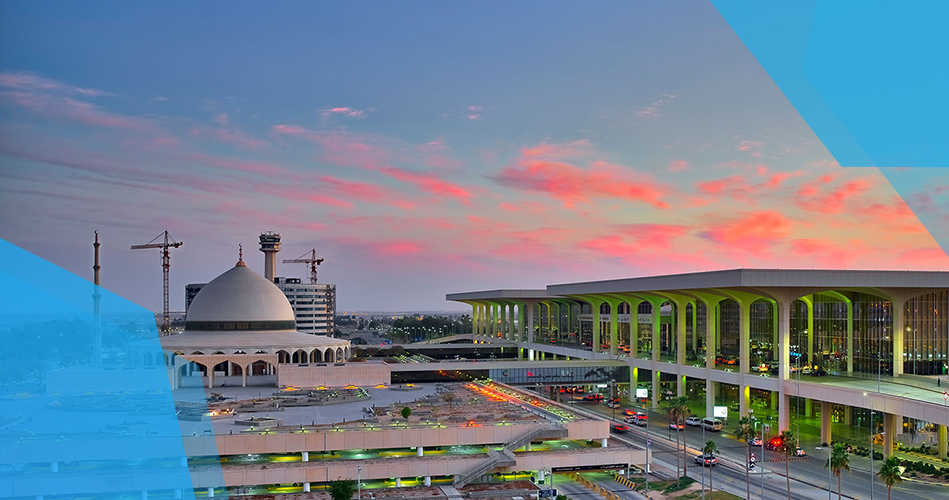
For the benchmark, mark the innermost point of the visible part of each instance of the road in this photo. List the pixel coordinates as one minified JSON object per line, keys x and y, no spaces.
{"x":809,"y":477}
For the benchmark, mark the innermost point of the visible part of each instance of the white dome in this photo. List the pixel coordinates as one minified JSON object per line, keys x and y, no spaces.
{"x":240,"y":299}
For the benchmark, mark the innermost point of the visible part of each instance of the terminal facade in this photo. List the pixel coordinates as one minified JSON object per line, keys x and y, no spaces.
{"x":744,"y":335}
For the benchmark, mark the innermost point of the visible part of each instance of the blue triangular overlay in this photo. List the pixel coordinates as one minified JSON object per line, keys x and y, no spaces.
{"x":88,"y":406}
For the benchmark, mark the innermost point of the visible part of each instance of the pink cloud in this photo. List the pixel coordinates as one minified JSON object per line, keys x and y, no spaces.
{"x":754,"y":233}
{"x":655,"y":236}
{"x":557,"y":150}
{"x":828,"y":254}
{"x":232,"y":136}
{"x":33,"y":82}
{"x":819,"y":197}
{"x":572,"y":184}
{"x":428,"y":182}
{"x":343,"y":111}
{"x":679,"y":166}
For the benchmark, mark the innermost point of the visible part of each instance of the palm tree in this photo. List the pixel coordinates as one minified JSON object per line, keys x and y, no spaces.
{"x":677,"y":407}
{"x":710,"y":449}
{"x":684,"y":413}
{"x":837,"y":461}
{"x":787,"y":448}
{"x":746,"y":432}
{"x":890,"y":473}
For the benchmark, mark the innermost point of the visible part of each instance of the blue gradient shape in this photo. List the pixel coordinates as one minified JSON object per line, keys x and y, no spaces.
{"x":868,"y":77}
{"x":88,"y":408}
{"x":870,"y":80}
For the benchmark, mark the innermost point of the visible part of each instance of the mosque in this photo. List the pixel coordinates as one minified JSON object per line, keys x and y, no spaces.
{"x":239,"y":331}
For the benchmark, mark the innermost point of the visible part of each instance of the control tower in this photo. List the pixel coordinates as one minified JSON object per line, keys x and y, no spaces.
{"x":270,"y":245}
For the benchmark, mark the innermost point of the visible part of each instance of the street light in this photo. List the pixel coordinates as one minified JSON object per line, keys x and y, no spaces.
{"x":358,"y":485}
{"x":871,"y":444}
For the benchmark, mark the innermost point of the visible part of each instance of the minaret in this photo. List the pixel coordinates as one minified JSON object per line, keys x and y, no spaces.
{"x":270,"y":245}
{"x":96,"y":298}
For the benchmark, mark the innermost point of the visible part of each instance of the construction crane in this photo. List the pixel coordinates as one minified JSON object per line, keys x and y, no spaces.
{"x":164,"y":242}
{"x":307,"y":258}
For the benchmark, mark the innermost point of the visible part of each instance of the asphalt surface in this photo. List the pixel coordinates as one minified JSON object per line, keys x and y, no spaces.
{"x":809,"y":477}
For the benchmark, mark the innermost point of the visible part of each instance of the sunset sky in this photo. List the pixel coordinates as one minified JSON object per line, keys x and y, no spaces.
{"x":423,"y":148}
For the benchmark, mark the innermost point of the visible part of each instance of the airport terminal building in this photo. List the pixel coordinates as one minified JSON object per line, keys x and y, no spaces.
{"x":850,"y":348}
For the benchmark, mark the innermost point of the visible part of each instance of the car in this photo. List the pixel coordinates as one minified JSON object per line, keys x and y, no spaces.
{"x":755,"y":441}
{"x":619,"y":428}
{"x":631,"y":411}
{"x":639,"y":419}
{"x":593,"y":397}
{"x":676,"y":426}
{"x":818,"y":372}
{"x":580,"y":390}
{"x":693,"y":422}
{"x":775,"y":443}
{"x":706,"y":460}
{"x":799,"y":452}
{"x":807,"y":370}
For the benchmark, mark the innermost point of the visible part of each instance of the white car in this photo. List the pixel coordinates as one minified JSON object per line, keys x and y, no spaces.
{"x":693,"y":422}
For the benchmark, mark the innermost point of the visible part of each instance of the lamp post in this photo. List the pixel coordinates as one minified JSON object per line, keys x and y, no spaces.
{"x":358,"y":485}
{"x":871,"y":444}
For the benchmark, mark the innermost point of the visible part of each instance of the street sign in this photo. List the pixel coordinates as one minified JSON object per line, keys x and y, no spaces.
{"x":766,"y":428}
{"x":720,"y":411}
{"x":551,"y":493}
{"x":648,"y":443}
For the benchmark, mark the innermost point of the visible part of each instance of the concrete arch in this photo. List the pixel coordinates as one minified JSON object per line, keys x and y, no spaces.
{"x":339,"y":355}
{"x":299,"y":356}
{"x":316,"y":356}
{"x":329,"y":356}
{"x":283,"y":356}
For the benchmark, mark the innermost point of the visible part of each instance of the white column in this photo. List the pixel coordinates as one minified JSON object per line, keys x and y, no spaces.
{"x":184,"y":461}
{"x":210,"y":492}
{"x":504,"y":332}
{"x":306,"y":487}
{"x":709,"y":397}
{"x":784,"y":339}
{"x":428,"y":480}
{"x":680,"y":333}
{"x":655,"y":389}
{"x":744,"y":338}
{"x":54,"y":466}
{"x":849,"y":337}
{"x":656,"y":323}
{"x":603,"y":442}
{"x":398,"y":482}
{"x":305,"y":456}
{"x":530,"y":325}
{"x":420,"y":452}
{"x":826,"y":435}
{"x":899,"y":328}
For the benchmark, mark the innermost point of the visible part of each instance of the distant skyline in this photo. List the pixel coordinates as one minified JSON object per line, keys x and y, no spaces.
{"x":423,"y":148}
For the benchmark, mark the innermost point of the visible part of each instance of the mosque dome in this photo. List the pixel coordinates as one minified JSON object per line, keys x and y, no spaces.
{"x":240,"y":300}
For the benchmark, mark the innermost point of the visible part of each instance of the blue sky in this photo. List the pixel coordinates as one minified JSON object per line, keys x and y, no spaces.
{"x":421,"y":146}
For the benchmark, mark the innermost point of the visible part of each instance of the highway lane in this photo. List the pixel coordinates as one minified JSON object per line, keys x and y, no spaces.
{"x":808,"y":475}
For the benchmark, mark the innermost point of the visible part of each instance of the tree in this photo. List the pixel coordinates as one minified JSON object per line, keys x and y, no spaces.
{"x":788,"y":447}
{"x":710,"y":448}
{"x":891,"y":473}
{"x":837,"y":461}
{"x":342,"y":489}
{"x":746,"y":432}
{"x":406,"y":412}
{"x":678,"y":410}
{"x":448,"y":397}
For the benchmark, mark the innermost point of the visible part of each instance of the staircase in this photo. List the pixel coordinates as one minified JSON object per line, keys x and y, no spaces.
{"x":506,"y":457}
